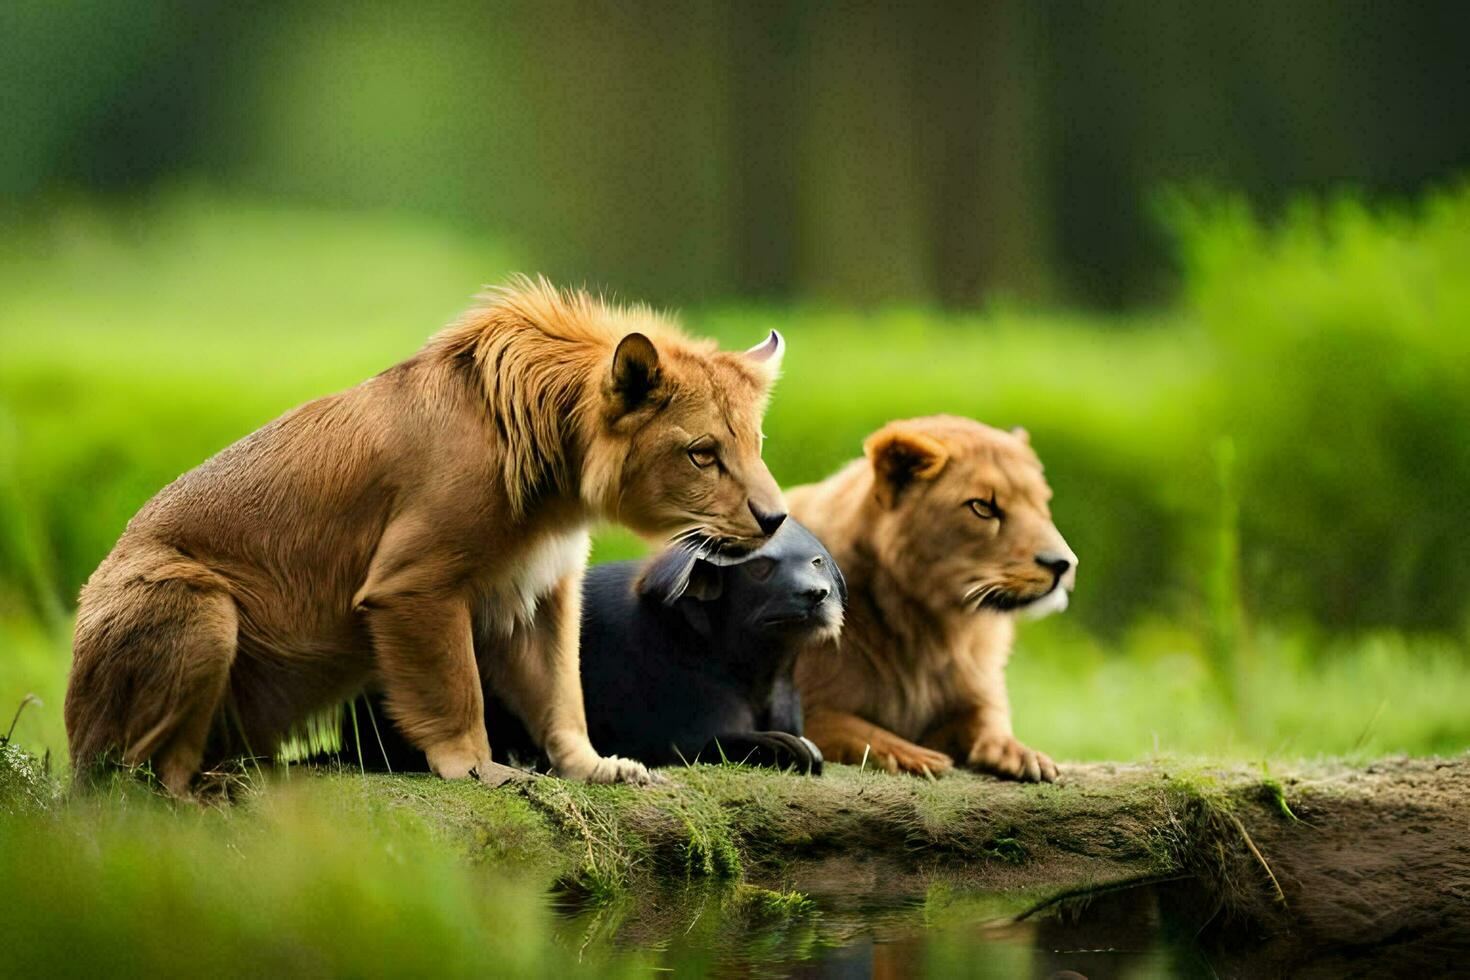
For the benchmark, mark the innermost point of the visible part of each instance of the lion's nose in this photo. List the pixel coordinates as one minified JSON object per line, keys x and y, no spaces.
{"x":768,"y":522}
{"x":1053,"y":562}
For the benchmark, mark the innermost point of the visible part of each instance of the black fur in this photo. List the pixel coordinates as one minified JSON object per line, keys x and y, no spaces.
{"x":684,"y":658}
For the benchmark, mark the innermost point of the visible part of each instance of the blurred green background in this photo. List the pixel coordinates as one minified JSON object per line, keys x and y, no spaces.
{"x":1216,"y":259}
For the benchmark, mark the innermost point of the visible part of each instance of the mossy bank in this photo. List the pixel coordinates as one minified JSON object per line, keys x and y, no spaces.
{"x":1304,"y":870}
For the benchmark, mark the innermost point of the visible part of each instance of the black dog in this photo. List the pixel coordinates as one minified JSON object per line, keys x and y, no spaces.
{"x":684,"y":657}
{"x":687,"y":657}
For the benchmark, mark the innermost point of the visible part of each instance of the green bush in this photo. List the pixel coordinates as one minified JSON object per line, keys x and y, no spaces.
{"x":1332,"y":348}
{"x":1342,"y":340}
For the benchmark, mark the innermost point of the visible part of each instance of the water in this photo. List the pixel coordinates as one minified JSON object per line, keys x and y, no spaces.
{"x":873,"y":925}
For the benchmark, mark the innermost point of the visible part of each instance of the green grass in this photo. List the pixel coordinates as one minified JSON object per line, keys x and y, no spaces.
{"x":1083,"y":699}
{"x":1300,"y":695}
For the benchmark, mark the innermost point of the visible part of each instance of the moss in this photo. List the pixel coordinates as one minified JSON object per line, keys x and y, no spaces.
{"x":1006,"y":849}
{"x":1204,"y":836}
{"x":1275,"y":794}
{"x":725,"y":823}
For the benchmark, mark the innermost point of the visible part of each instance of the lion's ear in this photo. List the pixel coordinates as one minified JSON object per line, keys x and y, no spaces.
{"x":634,"y":376}
{"x":1020,"y":432}
{"x":768,"y":353}
{"x":899,"y":457}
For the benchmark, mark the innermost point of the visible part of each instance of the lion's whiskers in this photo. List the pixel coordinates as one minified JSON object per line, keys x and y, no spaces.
{"x":699,"y":540}
{"x":980,"y":593}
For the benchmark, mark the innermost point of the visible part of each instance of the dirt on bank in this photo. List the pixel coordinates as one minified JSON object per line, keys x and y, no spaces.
{"x":1375,"y":875}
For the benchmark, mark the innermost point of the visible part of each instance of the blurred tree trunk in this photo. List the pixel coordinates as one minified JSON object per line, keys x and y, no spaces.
{"x":766,"y":49}
{"x":857,"y":151}
{"x":630,"y":163}
{"x":922,"y":164}
{"x":862,"y":235}
{"x":980,"y":122}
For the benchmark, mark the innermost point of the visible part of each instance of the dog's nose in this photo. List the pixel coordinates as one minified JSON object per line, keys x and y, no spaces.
{"x":1053,"y":562}
{"x":816,"y":594}
{"x":768,"y":522}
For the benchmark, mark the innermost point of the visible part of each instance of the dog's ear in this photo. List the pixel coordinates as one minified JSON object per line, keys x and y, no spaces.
{"x":706,"y":581}
{"x":634,"y":377}
{"x":679,"y":579}
{"x":677,"y":574}
{"x":901,"y":456}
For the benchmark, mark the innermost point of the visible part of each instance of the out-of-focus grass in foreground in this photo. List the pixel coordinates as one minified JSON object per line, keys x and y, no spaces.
{"x":293,"y":885}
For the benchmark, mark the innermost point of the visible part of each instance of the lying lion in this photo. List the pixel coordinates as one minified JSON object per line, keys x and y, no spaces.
{"x":945,"y":537}
{"x":374,"y":533}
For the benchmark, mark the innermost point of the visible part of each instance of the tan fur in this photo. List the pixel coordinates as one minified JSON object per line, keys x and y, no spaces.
{"x":397,"y":533}
{"x":917,"y":680}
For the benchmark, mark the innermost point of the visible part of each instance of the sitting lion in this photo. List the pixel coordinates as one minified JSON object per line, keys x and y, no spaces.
{"x":945,"y":537}
{"x":376,"y":534}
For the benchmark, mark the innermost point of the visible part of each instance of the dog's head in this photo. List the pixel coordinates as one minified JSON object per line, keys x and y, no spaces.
{"x":788,"y":589}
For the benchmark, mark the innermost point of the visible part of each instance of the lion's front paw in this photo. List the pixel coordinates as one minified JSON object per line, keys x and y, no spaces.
{"x":459,"y":757}
{"x":899,"y":757}
{"x":612,"y":769}
{"x":1002,"y":755}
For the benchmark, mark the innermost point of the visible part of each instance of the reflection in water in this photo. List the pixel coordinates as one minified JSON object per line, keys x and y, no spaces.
{"x":940,"y":932}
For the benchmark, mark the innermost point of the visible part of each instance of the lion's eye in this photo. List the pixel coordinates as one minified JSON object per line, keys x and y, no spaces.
{"x":986,"y":509}
{"x":703,"y":457}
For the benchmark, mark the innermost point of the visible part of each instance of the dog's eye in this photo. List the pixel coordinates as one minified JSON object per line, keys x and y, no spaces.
{"x":818,"y":561}
{"x":986,"y":508}
{"x":760,"y":569}
{"x":703,"y":457}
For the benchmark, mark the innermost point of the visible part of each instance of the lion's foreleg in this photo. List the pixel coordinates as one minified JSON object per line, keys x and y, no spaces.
{"x":845,"y":737}
{"x":539,"y":678}
{"x":425,"y":657}
{"x":982,"y":739}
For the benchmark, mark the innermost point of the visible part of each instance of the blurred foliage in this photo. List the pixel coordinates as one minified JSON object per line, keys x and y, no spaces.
{"x":1342,"y":339}
{"x":1290,"y":694}
{"x":295,"y":885}
{"x":863,"y":152}
{"x":1330,"y":348}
